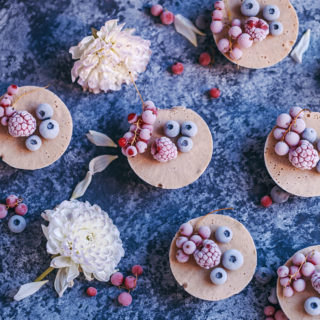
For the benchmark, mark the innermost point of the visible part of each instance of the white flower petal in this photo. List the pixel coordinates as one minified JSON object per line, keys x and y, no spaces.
{"x":29,"y":289}
{"x":100,"y":139}
{"x":61,"y":262}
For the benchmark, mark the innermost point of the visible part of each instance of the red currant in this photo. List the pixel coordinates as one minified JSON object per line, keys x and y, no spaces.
{"x":122,"y":142}
{"x":137,"y":270}
{"x":177,"y":68}
{"x":204,"y":59}
{"x":21,"y":209}
{"x":12,"y":201}
{"x":266,"y":201}
{"x":91,"y":291}
{"x":130,"y":282}
{"x":215,"y":93}
{"x":167,"y":17}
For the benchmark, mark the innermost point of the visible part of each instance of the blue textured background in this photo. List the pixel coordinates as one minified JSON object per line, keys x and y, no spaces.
{"x":34,"y":40}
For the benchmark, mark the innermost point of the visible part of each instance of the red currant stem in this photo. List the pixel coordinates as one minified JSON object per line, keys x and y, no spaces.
{"x":293,"y":122}
{"x":136,"y":87}
{"x":211,"y":213}
{"x":136,"y":131}
{"x":18,"y":98}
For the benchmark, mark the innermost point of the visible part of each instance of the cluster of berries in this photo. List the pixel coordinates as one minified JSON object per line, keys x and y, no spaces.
{"x":166,"y":17}
{"x":277,"y":195}
{"x":206,"y":252}
{"x":297,"y":140}
{"x":252,"y":30}
{"x":16,"y":223}
{"x":141,"y":127}
{"x":6,"y":108}
{"x":272,"y":314}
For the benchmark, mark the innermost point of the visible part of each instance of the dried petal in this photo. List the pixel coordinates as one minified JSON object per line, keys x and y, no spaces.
{"x":29,"y":289}
{"x":100,"y":139}
{"x":301,"y":47}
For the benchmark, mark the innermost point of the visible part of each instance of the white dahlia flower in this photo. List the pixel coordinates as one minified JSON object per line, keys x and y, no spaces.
{"x":107,"y":57}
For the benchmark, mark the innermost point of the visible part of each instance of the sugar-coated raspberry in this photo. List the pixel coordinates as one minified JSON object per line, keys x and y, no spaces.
{"x":223,"y":45}
{"x":91,"y":291}
{"x":117,"y":279}
{"x":236,"y":53}
{"x":3,"y":211}
{"x":236,"y":22}
{"x":12,"y":201}
{"x":167,"y":17}
{"x":214,"y":93}
{"x":279,"y":315}
{"x":299,"y":285}
{"x":21,"y":209}
{"x":284,"y":282}
{"x":141,"y":146}
{"x":244,"y":41}
{"x":234,"y":32}
{"x":163,"y":150}
{"x":269,"y":310}
{"x":22,"y":124}
{"x":315,"y":281}
{"x":294,"y":272}
{"x":186,"y":229}
{"x":17,"y":224}
{"x":219,"y":5}
{"x":5,"y":102}
{"x":294,"y":111}
{"x":281,"y":148}
{"x":156,"y":10}
{"x":292,"y":139}
{"x":298,"y":126}
{"x":189,"y":247}
{"x":122,"y":142}
{"x":148,"y":117}
{"x":217,"y":15}
{"x":216,"y":26}
{"x":125,"y":299}
{"x":132,"y":118}
{"x":204,"y":232}
{"x":288,"y":291}
{"x":204,"y":59}
{"x":181,"y":256}
{"x":1,"y":112}
{"x":266,"y":201}
{"x":314,"y":257}
{"x":137,"y":270}
{"x":208,"y":255}
{"x":12,"y":89}
{"x":298,"y":259}
{"x":196,"y":239}
{"x":130,"y":282}
{"x":250,"y":8}
{"x":304,"y":156}
{"x":309,"y":134}
{"x":257,"y":28}
{"x":131,"y":151}
{"x":307,"y":269}
{"x":284,"y":120}
{"x":177,"y":68}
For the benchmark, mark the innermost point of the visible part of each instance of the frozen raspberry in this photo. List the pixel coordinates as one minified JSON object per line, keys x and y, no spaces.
{"x":130,"y":282}
{"x":177,"y":68}
{"x":257,"y":28}
{"x":137,"y":270}
{"x":209,"y":254}
{"x":163,"y":149}
{"x":91,"y":291}
{"x":266,"y":201}
{"x":117,"y":279}
{"x":125,"y":299}
{"x":12,"y":89}
{"x":304,"y":156}
{"x":22,"y":124}
{"x":167,"y":17}
{"x":315,"y":281}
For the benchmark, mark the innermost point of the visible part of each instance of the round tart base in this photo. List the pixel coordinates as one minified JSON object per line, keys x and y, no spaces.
{"x":272,"y":49}
{"x":303,"y":183}
{"x":13,"y":150}
{"x":187,"y":167}
{"x":196,"y":280}
{"x":293,"y":307}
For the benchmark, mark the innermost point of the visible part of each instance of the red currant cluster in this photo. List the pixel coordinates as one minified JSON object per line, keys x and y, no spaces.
{"x":166,"y":17}
{"x":6,"y":109}
{"x":272,"y":314}
{"x":141,"y":127}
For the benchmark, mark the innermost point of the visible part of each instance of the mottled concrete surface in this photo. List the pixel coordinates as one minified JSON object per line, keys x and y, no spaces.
{"x":35,"y":38}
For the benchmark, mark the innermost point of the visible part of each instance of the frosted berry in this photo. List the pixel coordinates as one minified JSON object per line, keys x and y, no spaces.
{"x":217,"y":15}
{"x":148,"y":126}
{"x":279,"y":315}
{"x":236,"y":53}
{"x":21,"y":209}
{"x":8,"y":96}
{"x":33,"y":143}
{"x":244,"y":41}
{"x":281,"y":148}
{"x":232,"y":259}
{"x":128,"y":136}
{"x":292,"y":139}
{"x":133,"y":127}
{"x":5,"y":102}
{"x":298,"y":126}
{"x":288,"y":292}
{"x":12,"y":89}
{"x":304,"y":156}
{"x":12,"y":201}
{"x":145,"y":134}
{"x":49,"y":129}
{"x":271,"y":12}
{"x":4,"y":121}
{"x":266,"y":201}
{"x":22,"y":124}
{"x":264,"y":275}
{"x":184,"y":144}
{"x":189,"y":247}
{"x":44,"y":111}
{"x":17,"y":224}
{"x":218,"y":276}
{"x":167,"y":17}
{"x":3,"y":211}
{"x":163,"y":150}
{"x":186,"y":229}
{"x":269,"y":310}
{"x":315,"y":281}
{"x":148,"y":117}
{"x":223,"y":234}
{"x":216,"y":26}
{"x":117,"y":279}
{"x":132,"y":118}
{"x":141,"y":146}
{"x":181,"y":256}
{"x":284,"y":120}
{"x":223,"y":45}
{"x":294,"y":111}
{"x":204,"y":232}
{"x":91,"y":291}
{"x":204,"y":59}
{"x":250,"y":8}
{"x":257,"y":28}
{"x":278,"y":195}
{"x":122,"y":142}
{"x":130,"y":282}
{"x":125,"y":299}
{"x":137,"y":270}
{"x":156,"y":10}
{"x":202,"y":22}
{"x":196,"y":239}
{"x":219,"y":5}
{"x":131,"y":151}
{"x":307,"y":269}
{"x":284,"y":282}
{"x":180,"y":241}
{"x":214,"y":93}
{"x":299,"y":285}
{"x":171,"y":129}
{"x":9,"y":111}
{"x":309,"y":134}
{"x":294,"y":272}
{"x":209,"y":255}
{"x":1,"y":112}
{"x":236,"y":22}
{"x":298,"y":259}
{"x":314,"y":257}
{"x":234,"y":32}
{"x":149,"y":105}
{"x":276,"y":28}
{"x":177,"y":68}
{"x":312,"y":306}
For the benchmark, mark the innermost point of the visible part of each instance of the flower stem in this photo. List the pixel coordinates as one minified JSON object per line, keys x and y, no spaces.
{"x":44,"y":274}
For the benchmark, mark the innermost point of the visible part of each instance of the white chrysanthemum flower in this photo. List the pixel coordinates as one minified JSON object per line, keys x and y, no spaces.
{"x":106,"y":58}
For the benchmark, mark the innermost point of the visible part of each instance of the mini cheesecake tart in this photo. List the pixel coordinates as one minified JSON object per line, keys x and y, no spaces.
{"x":13,"y":150}
{"x":187,"y":167}
{"x":273,"y":48}
{"x":293,"y":306}
{"x":196,"y":279}
{"x":304,"y":183}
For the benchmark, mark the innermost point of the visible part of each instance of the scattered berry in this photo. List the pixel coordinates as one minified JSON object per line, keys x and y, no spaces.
{"x":257,"y":28}
{"x":299,"y":285}
{"x":33,"y":143}
{"x":12,"y":201}
{"x":223,"y":45}
{"x":130,"y":282}
{"x":177,"y":68}
{"x":216,"y":26}
{"x":250,"y":8}
{"x":125,"y":299}
{"x":232,"y":259}
{"x":184,"y":144}
{"x":196,"y":239}
{"x":288,"y":292}
{"x":204,"y":232}
{"x":21,"y":209}
{"x":309,"y":134}
{"x":284,"y":120}
{"x":189,"y":247}
{"x":264,"y":275}
{"x":312,"y":306}
{"x":236,"y":53}
{"x":281,"y":148}
{"x":209,"y":255}
{"x":219,"y":5}
{"x":272,"y":298}
{"x":3,"y":211}
{"x":156,"y":10}
{"x":307,"y":269}
{"x":266,"y":201}
{"x":44,"y":111}
{"x":304,"y":156}
{"x":278,"y":195}
{"x":22,"y":124}
{"x":186,"y":229}
{"x":12,"y":89}
{"x":245,"y":41}
{"x":91,"y":291}
{"x":137,"y":270}
{"x":223,"y":234}
{"x":218,"y":276}
{"x":276,"y":28}
{"x":214,"y":93}
{"x":271,"y":12}
{"x":180,"y":241}
{"x":17,"y":224}
{"x":204,"y":59}
{"x":298,"y":259}
{"x":167,"y":17}
{"x":171,"y":129}
{"x":117,"y":279}
{"x":269,"y":310}
{"x":49,"y":129}
{"x":234,"y":32}
{"x":163,"y":150}
{"x":182,"y":257}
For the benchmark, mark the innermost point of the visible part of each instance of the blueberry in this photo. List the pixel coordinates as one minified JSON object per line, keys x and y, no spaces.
{"x":44,"y":111}
{"x":189,"y":129}
{"x":271,"y":12}
{"x":218,"y":276}
{"x":223,"y":234}
{"x":276,"y":28}
{"x":184,"y":144}
{"x":309,"y":134}
{"x":33,"y":143}
{"x":17,"y":224}
{"x":250,"y":8}
{"x":264,"y":275}
{"x":232,"y":259}
{"x":49,"y":129}
{"x":171,"y":129}
{"x":278,"y":195}
{"x":312,"y":306}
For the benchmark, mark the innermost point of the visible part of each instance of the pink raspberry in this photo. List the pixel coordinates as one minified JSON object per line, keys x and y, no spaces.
{"x":315,"y":281}
{"x":257,"y":28}
{"x":209,"y":255}
{"x":22,"y":124}
{"x":163,"y":149}
{"x":304,"y":156}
